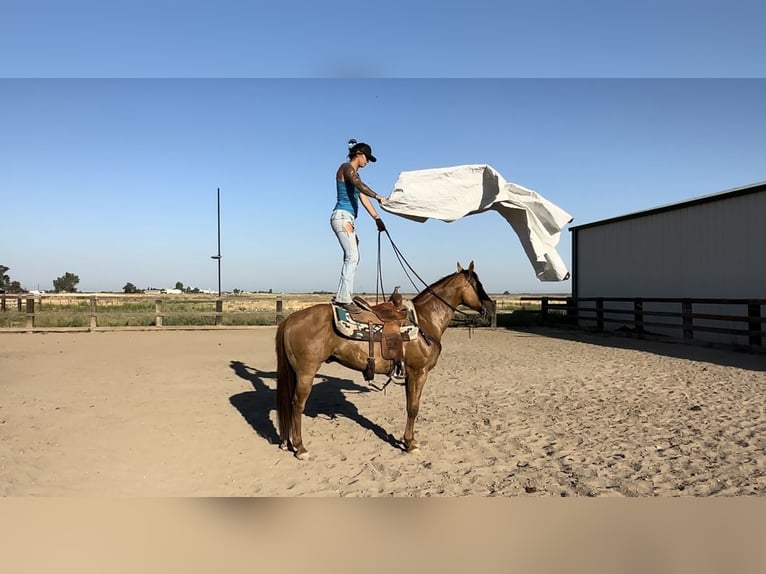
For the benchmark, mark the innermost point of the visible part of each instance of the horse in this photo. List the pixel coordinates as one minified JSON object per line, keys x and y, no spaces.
{"x":307,"y":338}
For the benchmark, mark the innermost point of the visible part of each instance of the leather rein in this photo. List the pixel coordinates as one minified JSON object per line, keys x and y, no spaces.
{"x":406,"y":264}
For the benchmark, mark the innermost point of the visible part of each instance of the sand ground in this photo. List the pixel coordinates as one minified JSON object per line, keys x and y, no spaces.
{"x":504,"y":413}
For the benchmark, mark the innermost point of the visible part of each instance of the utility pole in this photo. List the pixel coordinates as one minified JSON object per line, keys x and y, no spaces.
{"x":218,"y":257}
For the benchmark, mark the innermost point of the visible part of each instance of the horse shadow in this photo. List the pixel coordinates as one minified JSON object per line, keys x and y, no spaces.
{"x":326,"y":399}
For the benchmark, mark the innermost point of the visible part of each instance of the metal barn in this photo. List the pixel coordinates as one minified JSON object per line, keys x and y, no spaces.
{"x":695,"y":269}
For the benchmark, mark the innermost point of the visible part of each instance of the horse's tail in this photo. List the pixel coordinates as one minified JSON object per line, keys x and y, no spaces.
{"x":286,"y":382}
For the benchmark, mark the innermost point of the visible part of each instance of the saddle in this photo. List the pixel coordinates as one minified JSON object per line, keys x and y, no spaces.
{"x":392,"y":317}
{"x":391,"y":323}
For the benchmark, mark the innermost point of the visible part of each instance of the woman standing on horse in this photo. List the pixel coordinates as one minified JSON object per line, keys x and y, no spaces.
{"x":350,"y":191}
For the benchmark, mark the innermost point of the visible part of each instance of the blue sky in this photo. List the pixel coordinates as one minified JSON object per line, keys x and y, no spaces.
{"x":396,"y":38}
{"x":117,"y":125}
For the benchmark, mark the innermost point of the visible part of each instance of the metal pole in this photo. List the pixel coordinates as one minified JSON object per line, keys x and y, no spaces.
{"x":218,"y":257}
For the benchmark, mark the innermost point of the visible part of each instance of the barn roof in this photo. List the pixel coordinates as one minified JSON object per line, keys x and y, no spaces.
{"x":745,"y":190}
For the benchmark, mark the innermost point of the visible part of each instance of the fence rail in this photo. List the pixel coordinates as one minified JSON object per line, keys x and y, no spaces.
{"x":641,"y":313}
{"x":684,"y":318}
{"x":23,"y":312}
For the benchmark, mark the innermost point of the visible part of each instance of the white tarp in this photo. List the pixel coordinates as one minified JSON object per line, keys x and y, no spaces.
{"x":453,"y":192}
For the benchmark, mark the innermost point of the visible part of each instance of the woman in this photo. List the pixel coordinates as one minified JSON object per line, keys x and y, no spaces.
{"x":350,"y":191}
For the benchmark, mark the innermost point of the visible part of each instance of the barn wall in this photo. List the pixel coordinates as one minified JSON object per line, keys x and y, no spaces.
{"x":715,"y":249}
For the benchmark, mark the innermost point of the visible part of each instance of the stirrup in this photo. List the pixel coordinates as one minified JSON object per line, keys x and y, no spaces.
{"x":398,"y":373}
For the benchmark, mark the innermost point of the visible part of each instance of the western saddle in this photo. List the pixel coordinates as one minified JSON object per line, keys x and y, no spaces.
{"x":393,"y":316}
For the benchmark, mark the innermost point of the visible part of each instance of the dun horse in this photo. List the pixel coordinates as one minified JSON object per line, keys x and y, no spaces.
{"x":307,"y":338}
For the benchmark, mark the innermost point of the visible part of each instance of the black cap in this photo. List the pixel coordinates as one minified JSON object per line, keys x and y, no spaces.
{"x":362,"y":148}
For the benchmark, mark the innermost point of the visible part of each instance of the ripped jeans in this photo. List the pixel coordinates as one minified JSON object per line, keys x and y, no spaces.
{"x":342,"y":223}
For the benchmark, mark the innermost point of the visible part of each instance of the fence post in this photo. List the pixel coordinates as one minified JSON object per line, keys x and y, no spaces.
{"x":30,"y":312}
{"x":571,"y":313}
{"x":158,"y":312}
{"x":93,"y":321}
{"x":686,"y":318}
{"x":544,"y":310}
{"x":600,"y":313}
{"x":280,"y":315}
{"x":493,"y":310}
{"x":219,"y":312}
{"x":18,"y":303}
{"x":754,"y":325}
{"x":2,"y":301}
{"x":638,"y":314}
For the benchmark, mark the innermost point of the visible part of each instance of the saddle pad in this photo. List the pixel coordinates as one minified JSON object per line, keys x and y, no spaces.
{"x":357,"y":330}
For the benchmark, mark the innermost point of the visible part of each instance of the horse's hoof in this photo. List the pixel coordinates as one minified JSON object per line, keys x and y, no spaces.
{"x":411,"y":446}
{"x":283,"y":446}
{"x":304,"y":455}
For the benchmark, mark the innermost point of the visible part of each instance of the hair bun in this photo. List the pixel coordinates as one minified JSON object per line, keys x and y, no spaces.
{"x":351,"y":143}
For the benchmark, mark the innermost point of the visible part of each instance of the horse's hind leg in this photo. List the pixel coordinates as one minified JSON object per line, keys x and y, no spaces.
{"x":302,"y":392}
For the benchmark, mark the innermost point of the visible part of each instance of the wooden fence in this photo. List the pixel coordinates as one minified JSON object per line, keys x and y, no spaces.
{"x":730,"y":320}
{"x":739,"y":320}
{"x":22,"y":312}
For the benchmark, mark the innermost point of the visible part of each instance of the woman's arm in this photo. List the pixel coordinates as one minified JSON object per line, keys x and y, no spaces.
{"x":350,"y":175}
{"x":369,"y":207}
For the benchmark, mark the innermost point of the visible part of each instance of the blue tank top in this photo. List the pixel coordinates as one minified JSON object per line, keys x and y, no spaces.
{"x":348,"y":197}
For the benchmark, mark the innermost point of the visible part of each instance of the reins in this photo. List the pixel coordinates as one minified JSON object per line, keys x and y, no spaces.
{"x":406,"y":264}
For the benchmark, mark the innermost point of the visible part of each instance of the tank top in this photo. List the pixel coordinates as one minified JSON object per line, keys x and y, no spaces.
{"x":348,"y":197}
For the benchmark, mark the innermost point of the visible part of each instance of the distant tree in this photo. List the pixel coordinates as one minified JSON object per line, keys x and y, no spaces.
{"x":130,"y":288}
{"x":6,"y":284}
{"x":5,"y":279}
{"x":66,"y":283}
{"x":236,"y":291}
{"x":179,"y":286}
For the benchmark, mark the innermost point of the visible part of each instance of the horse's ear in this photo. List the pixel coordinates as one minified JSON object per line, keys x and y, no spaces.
{"x":459,"y":267}
{"x":470,"y":271}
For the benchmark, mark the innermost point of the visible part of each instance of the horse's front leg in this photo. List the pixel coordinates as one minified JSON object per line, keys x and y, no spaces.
{"x":416,"y":380}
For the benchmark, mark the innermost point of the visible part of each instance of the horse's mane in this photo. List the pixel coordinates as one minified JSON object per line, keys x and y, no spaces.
{"x":439,"y":282}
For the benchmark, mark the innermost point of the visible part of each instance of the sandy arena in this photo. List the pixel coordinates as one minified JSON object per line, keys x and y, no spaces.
{"x":504,"y":413}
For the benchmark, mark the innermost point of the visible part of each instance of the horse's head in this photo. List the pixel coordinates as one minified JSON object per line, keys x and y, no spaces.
{"x":472,"y":294}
